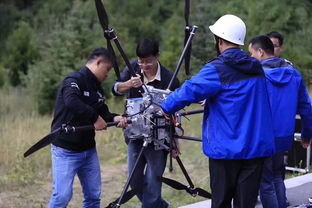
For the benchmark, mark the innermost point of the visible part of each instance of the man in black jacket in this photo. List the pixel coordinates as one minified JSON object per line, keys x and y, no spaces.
{"x":80,"y":102}
{"x":150,"y":72}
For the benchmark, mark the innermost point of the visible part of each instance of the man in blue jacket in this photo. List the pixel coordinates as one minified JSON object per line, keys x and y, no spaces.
{"x":237,"y":125}
{"x":288,"y":97}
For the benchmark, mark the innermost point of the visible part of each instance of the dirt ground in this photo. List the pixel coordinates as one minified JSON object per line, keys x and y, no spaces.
{"x":38,"y":194}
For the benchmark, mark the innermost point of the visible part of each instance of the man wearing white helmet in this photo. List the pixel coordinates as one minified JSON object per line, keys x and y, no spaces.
{"x":237,"y":125}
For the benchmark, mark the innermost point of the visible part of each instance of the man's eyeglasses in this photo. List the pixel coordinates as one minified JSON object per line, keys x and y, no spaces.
{"x":146,"y":62}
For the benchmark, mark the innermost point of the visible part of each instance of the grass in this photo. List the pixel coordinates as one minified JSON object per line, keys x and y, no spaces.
{"x":28,"y":182}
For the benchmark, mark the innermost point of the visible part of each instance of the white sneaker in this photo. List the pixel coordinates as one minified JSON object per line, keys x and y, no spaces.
{"x":310,"y":199}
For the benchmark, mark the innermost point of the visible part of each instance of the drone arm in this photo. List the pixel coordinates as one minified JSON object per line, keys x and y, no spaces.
{"x":182,"y":57}
{"x":70,"y":129}
{"x":191,"y":185}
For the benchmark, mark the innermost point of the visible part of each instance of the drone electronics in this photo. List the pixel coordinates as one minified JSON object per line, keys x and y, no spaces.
{"x":148,"y":121}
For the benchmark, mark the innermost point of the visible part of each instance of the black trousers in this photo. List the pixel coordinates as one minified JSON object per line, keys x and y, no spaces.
{"x":236,"y":180}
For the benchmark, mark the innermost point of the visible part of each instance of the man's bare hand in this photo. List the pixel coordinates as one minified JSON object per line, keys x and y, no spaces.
{"x":100,"y":124}
{"x":135,"y":82}
{"x":122,"y":121}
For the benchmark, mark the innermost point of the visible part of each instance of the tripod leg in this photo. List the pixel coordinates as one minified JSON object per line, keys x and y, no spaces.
{"x":185,"y":172}
{"x":131,"y":175}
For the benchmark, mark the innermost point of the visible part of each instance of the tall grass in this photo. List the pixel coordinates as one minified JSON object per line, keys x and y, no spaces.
{"x":20,"y":126}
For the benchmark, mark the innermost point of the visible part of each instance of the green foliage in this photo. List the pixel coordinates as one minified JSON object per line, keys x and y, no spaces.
{"x":9,"y":15}
{"x":66,"y":31}
{"x":63,"y":51}
{"x":290,"y":18}
{"x":22,"y":51}
{"x":203,"y":44}
{"x":2,"y":76}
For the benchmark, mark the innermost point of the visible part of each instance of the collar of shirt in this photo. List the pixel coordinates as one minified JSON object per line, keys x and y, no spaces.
{"x":91,"y":76}
{"x":157,"y":76}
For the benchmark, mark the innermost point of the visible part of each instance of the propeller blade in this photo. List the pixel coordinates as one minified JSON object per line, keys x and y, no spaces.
{"x":104,"y":21}
{"x":127,"y":196}
{"x":45,"y":141}
{"x":174,"y":184}
{"x":103,"y":18}
{"x":187,"y":12}
{"x":179,"y":186}
{"x":68,"y":129}
{"x":203,"y":193}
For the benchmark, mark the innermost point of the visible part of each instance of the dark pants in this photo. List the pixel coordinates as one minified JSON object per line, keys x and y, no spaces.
{"x":272,"y":188}
{"x":151,"y":166}
{"x":235,"y":179}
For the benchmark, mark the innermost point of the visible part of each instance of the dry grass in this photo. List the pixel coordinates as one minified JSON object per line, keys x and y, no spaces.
{"x":28,"y":182}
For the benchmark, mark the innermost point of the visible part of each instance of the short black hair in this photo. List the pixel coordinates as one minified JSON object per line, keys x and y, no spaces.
{"x":276,"y":35}
{"x":100,"y":52}
{"x":147,"y":47}
{"x":263,"y":42}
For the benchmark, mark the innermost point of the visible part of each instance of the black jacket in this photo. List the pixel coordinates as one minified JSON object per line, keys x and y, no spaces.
{"x":79,"y":102}
{"x":165,"y":76}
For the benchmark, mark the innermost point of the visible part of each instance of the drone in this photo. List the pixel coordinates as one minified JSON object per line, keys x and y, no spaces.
{"x":144,"y":114}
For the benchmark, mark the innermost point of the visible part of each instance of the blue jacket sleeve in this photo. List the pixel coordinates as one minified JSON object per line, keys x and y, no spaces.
{"x":305,"y":111}
{"x":201,"y":86}
{"x":72,"y":99}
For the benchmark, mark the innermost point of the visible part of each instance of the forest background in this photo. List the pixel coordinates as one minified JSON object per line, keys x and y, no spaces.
{"x":43,"y":41}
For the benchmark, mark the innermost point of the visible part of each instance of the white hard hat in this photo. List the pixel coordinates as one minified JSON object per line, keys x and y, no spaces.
{"x":231,"y":28}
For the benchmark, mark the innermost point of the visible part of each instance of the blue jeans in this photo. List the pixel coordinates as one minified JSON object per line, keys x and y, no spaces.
{"x":272,"y":187}
{"x":155,"y":163}
{"x":66,"y":164}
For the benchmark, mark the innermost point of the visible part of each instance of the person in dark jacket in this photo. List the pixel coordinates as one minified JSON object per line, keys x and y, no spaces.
{"x":237,"y":129}
{"x":288,"y":96}
{"x":80,"y":102}
{"x":151,"y":72}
